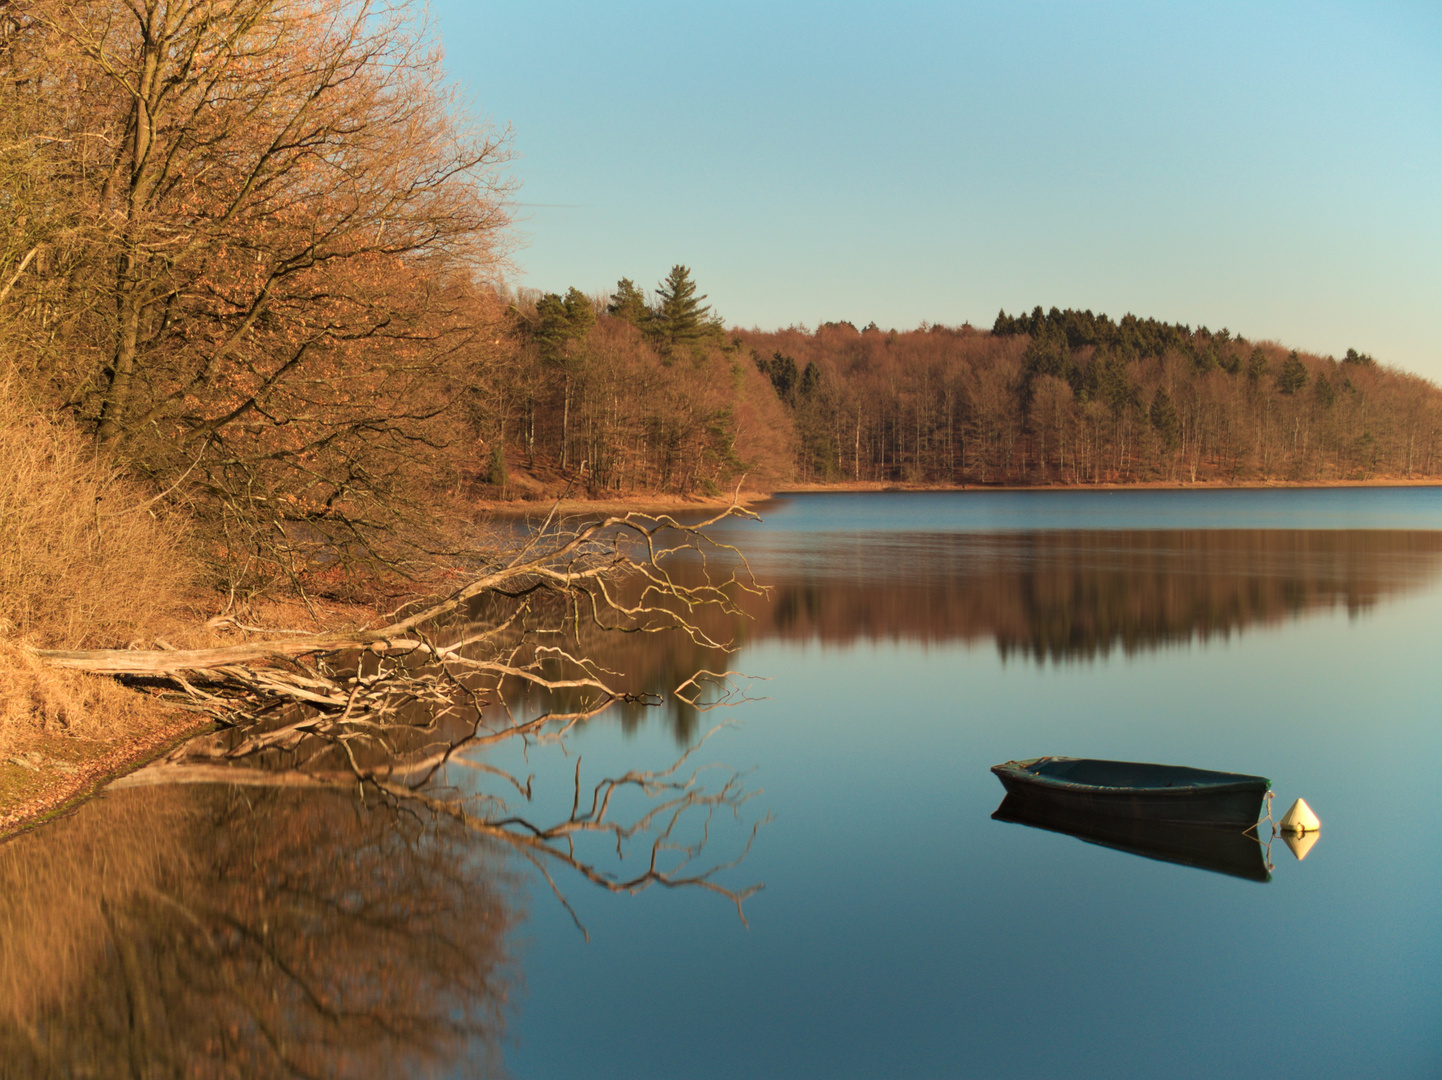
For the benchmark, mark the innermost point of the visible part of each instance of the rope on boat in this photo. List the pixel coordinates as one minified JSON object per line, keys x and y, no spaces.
{"x":1268,"y":819}
{"x":1256,"y":834}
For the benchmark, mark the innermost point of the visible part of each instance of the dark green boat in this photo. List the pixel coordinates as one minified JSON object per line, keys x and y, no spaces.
{"x":1159,"y":793}
{"x":1206,"y":847}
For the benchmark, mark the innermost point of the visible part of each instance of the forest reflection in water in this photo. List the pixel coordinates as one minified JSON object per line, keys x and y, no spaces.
{"x":1058,"y":596}
{"x":1077,"y":595}
{"x":223,"y":931}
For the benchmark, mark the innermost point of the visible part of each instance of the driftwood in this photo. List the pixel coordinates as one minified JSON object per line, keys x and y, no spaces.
{"x":560,"y":584}
{"x":384,"y":712}
{"x":585,"y":563}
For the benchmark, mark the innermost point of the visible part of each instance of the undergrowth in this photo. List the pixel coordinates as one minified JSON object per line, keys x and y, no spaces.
{"x":85,"y":558}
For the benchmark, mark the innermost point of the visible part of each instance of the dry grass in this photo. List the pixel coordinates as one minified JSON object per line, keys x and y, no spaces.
{"x":88,"y":559}
{"x":84,"y":561}
{"x":38,"y":702}
{"x":62,"y":732}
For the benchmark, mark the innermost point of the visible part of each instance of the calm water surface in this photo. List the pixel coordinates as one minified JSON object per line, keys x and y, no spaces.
{"x":913,"y":641}
{"x":910,"y":642}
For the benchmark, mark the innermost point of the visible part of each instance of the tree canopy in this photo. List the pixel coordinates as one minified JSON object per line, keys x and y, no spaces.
{"x":260,"y":259}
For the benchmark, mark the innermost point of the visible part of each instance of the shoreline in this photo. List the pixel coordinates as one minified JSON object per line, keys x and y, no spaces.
{"x":1140,"y":485}
{"x":651,"y":504}
{"x":65,"y":771}
{"x":655,"y":503}
{"x":59,"y":792}
{"x":62,"y":792}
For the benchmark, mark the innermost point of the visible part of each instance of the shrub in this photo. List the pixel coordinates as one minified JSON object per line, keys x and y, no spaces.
{"x":84,"y":560}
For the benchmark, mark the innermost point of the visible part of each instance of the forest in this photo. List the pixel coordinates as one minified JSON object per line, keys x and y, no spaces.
{"x":1056,"y":397}
{"x":258,"y":358}
{"x":256,"y":278}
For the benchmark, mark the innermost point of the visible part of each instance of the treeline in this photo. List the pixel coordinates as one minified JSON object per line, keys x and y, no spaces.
{"x":1075,"y":398}
{"x":622,"y":393}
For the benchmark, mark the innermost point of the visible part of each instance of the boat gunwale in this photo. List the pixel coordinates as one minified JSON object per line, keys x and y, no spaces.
{"x":1021,"y":772}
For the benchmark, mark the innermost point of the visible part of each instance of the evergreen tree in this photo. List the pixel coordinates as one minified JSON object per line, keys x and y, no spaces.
{"x":580,"y":312}
{"x":561,"y":320}
{"x":1294,"y":374}
{"x":496,"y":467}
{"x":783,"y":376}
{"x":1112,"y":385}
{"x":1164,"y":418}
{"x":564,"y":324}
{"x":681,"y":319}
{"x":810,"y":380}
{"x":628,"y":303}
{"x":792,"y":385}
{"x":1048,"y":354}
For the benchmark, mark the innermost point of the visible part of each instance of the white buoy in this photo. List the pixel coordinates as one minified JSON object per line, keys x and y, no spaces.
{"x":1299,"y":819}
{"x":1301,"y":843}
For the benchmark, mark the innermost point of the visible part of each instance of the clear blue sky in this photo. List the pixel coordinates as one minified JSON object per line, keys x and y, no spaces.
{"x":1274,"y":168}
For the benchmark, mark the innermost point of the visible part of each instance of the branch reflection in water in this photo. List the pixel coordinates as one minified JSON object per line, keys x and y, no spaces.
{"x":350,"y":917}
{"x":311,"y":892}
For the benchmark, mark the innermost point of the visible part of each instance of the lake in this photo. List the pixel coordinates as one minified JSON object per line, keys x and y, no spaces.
{"x":909,"y":641}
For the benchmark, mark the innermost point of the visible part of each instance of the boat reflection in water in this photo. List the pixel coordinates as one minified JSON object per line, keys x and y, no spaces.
{"x":1222,"y":850}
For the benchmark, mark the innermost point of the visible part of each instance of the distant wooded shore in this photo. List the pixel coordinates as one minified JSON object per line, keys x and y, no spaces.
{"x":658,"y":503}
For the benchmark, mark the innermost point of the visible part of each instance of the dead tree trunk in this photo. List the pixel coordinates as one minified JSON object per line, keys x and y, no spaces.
{"x":584,"y":564}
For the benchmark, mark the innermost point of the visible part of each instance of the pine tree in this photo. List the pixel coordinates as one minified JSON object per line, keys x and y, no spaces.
{"x":1164,"y":419}
{"x":496,"y":467}
{"x":681,"y":319}
{"x":562,"y":320}
{"x":783,"y":376}
{"x":1294,"y":374}
{"x":810,"y":380}
{"x":564,"y":324}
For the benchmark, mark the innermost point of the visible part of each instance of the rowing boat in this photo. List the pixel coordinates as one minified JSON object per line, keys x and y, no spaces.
{"x":1159,"y":793}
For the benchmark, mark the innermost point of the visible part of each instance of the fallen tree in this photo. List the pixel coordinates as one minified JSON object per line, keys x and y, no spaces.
{"x":386,"y":711}
{"x":587,"y":566}
{"x":609,"y":575}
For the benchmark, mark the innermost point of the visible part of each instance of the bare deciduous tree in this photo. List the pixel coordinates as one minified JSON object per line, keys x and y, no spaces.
{"x":262,"y":257}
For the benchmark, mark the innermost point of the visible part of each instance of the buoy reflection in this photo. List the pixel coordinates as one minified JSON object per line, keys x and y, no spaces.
{"x":1301,"y":843}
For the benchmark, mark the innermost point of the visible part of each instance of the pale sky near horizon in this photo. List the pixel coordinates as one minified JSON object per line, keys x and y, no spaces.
{"x":1272,"y":168}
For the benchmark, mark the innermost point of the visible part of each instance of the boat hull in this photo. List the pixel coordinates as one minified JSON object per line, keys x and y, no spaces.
{"x":1157,"y":793}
